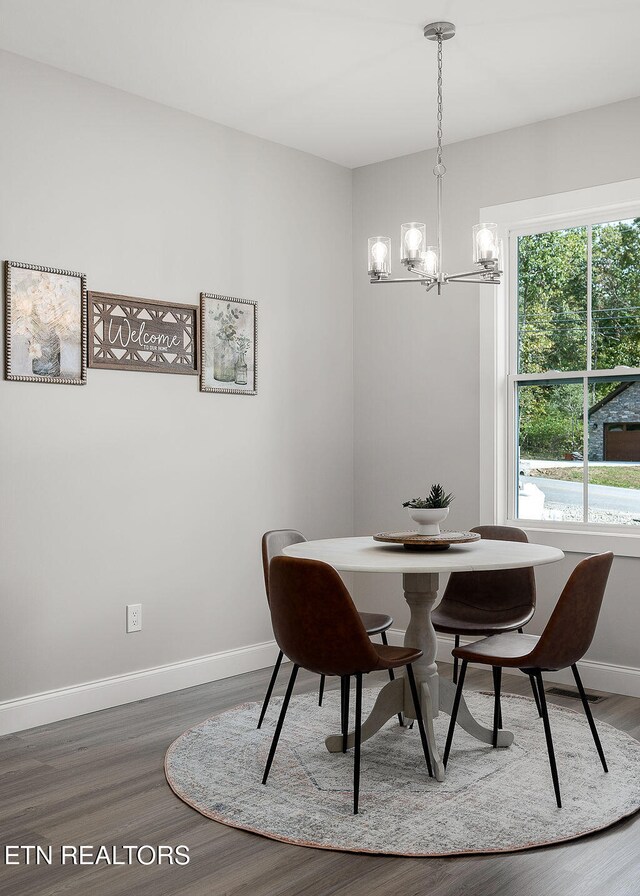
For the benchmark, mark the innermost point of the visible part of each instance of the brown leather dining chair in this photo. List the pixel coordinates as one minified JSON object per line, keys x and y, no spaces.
{"x":487,"y":602}
{"x":273,"y":543}
{"x":317,"y":626}
{"x":565,"y":639}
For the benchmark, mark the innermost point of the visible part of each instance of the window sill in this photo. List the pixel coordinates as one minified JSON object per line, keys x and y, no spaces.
{"x":576,"y":541}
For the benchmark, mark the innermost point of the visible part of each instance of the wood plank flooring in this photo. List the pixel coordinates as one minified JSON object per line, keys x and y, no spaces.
{"x":98,"y":779}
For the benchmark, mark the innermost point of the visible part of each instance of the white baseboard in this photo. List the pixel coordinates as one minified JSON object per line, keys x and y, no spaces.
{"x":596,"y":676}
{"x":64,"y":703}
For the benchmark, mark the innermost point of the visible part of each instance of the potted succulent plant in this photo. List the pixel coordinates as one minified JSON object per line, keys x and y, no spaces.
{"x":429,"y":512}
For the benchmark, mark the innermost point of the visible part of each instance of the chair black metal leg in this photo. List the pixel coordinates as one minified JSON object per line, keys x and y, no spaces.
{"x":496,"y":696}
{"x":587,"y":712}
{"x":547,"y":734}
{"x":454,"y":712}
{"x":383,"y":635}
{"x":345,"y":682}
{"x":455,"y":661}
{"x":534,"y":688}
{"x":356,"y":758}
{"x":418,"y":709}
{"x":321,"y":690}
{"x":267,"y":696}
{"x":497,"y":712}
{"x":283,"y":712}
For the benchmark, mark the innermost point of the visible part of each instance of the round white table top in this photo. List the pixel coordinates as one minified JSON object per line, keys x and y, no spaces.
{"x":366,"y":555}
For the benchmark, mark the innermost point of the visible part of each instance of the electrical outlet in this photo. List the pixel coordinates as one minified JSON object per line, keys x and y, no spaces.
{"x":134,"y":618}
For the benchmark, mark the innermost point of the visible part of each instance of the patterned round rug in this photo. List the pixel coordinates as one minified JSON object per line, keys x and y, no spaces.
{"x":492,"y":800}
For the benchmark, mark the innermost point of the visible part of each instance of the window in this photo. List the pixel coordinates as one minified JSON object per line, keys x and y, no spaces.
{"x":576,"y":341}
{"x":560,"y":371}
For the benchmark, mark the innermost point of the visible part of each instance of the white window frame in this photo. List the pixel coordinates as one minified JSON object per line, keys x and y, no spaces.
{"x":498,"y":374}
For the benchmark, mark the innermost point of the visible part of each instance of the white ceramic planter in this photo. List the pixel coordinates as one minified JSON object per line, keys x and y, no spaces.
{"x":428,"y":518}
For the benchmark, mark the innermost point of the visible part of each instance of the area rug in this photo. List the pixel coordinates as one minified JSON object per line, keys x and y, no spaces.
{"x":498,"y":800}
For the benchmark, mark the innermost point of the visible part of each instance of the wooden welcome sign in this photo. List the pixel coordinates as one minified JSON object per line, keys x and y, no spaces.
{"x":141,"y":334}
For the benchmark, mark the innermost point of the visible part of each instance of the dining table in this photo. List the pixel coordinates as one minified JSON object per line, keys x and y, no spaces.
{"x":420,"y":572}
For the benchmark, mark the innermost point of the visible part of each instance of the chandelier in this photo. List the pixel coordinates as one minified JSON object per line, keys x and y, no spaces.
{"x":424,"y":262}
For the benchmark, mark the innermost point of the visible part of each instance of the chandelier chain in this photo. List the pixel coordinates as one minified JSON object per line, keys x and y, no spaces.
{"x":439,"y":151}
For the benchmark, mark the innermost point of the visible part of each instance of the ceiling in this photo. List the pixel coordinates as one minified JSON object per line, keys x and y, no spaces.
{"x":352,"y":81}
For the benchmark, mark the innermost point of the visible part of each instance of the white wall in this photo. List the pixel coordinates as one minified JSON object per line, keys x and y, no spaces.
{"x":137,"y":487}
{"x":417,"y":355}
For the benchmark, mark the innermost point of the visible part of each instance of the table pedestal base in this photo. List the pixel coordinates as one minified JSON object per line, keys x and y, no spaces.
{"x":421,"y":591}
{"x":395,"y":697}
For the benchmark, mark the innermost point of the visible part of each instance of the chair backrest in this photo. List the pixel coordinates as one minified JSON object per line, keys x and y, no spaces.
{"x":498,"y":590}
{"x":273,"y":543}
{"x":314,"y":620}
{"x":570,"y":629}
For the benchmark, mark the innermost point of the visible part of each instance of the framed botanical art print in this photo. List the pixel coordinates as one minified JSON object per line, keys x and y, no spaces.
{"x":228,"y":340}
{"x":46,"y":324}
{"x":142,"y":334}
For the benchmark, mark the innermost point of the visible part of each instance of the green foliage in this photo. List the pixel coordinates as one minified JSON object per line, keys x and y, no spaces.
{"x":546,"y":438}
{"x":552,"y":324}
{"x":616,"y":294}
{"x":552,"y":301}
{"x":436,"y":498}
{"x":550,"y":421}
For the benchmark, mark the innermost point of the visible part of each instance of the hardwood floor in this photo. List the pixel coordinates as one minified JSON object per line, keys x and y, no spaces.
{"x":98,"y":779}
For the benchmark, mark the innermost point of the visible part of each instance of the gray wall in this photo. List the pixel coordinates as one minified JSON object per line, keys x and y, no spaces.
{"x":417,"y":355}
{"x":136,"y":487}
{"x":139,"y":488}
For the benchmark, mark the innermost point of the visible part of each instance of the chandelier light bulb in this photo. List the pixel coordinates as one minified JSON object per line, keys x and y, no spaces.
{"x":379,"y":256}
{"x":485,"y":241}
{"x":430,"y":261}
{"x":485,"y":248}
{"x":413,"y":237}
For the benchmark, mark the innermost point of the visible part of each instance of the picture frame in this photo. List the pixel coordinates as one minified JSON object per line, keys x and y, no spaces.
{"x":228,"y":344}
{"x":143,"y":335}
{"x":45,"y":324}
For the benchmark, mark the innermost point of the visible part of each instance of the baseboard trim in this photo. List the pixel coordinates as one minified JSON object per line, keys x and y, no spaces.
{"x":64,"y":703}
{"x":613,"y":679}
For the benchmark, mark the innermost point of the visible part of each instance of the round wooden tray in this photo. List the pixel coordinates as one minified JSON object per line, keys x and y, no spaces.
{"x":414,"y":542}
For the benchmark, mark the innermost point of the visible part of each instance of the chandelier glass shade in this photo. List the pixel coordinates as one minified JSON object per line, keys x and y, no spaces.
{"x":424,"y":262}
